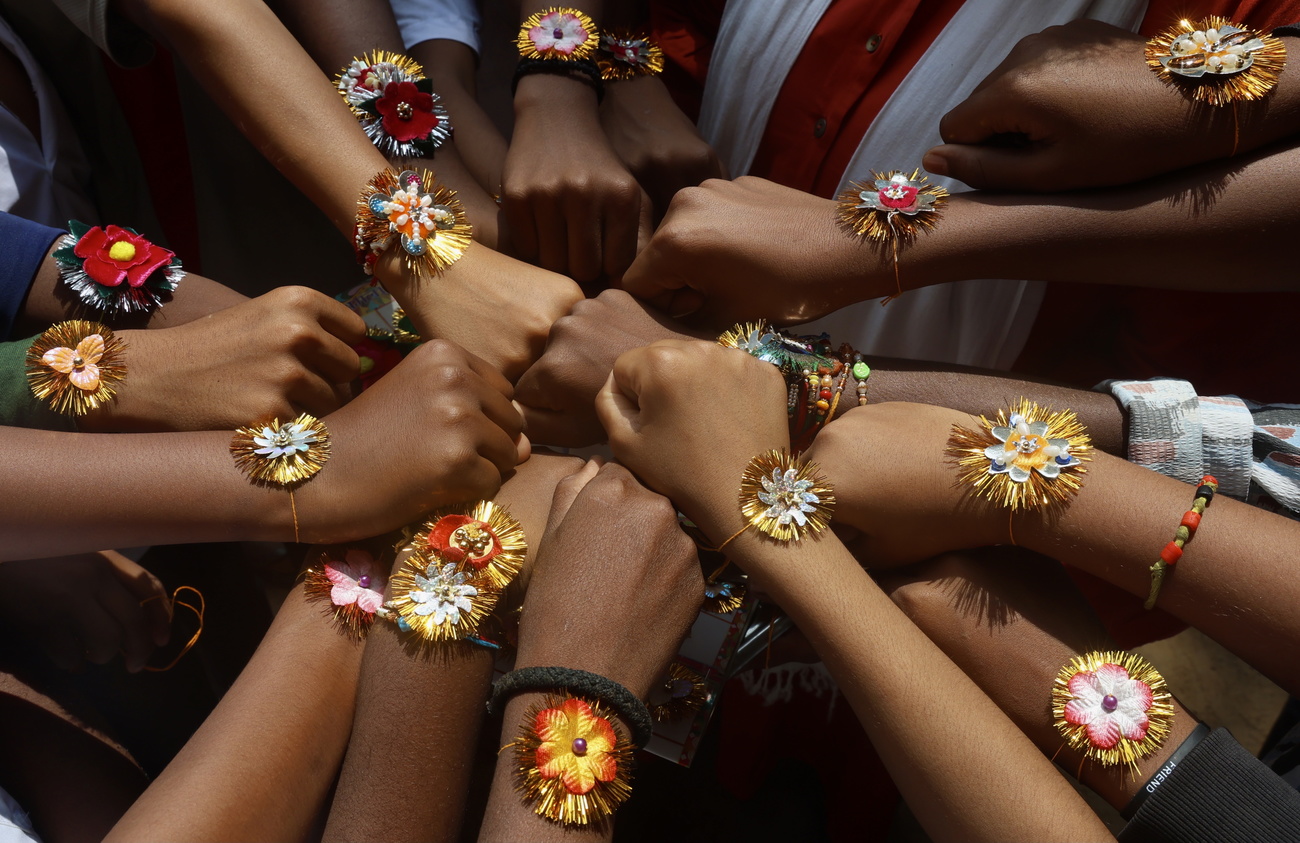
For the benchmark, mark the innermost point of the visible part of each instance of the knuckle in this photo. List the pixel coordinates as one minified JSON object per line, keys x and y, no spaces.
{"x":296,"y":296}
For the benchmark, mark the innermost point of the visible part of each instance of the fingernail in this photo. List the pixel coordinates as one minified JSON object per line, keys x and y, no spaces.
{"x":934,"y":164}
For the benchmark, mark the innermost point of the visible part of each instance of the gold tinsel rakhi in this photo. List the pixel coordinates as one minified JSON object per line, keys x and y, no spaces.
{"x":785,"y":497}
{"x":439,"y":601}
{"x":680,"y":693}
{"x":1113,"y":706}
{"x":483,"y":535}
{"x":1020,"y":459}
{"x":626,"y":55}
{"x":286,"y":454}
{"x":559,"y":34}
{"x":429,"y":224}
{"x":1216,"y":61}
{"x":566,"y":781}
{"x":76,"y":366}
{"x":351,"y":589}
{"x":356,"y":87}
{"x":894,"y":207}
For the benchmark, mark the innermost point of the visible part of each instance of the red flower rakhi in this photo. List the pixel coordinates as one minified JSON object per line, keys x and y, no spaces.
{"x":396,"y":105}
{"x":484,"y":537}
{"x":115,"y":269}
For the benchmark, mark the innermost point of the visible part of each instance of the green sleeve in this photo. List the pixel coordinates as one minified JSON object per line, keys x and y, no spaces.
{"x":18,"y":407}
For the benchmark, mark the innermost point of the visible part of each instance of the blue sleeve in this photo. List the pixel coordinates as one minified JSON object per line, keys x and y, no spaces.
{"x":23,"y":245}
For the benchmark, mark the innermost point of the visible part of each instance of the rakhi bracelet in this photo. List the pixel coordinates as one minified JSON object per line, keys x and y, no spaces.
{"x":680,"y":693}
{"x":413,"y":211}
{"x":622,"y":54}
{"x":1217,"y":62}
{"x":398,"y":110}
{"x":815,"y":376}
{"x":1200,"y":733}
{"x":460,"y":562}
{"x":573,"y":763}
{"x":593,"y":686}
{"x":1028,"y":457}
{"x":282,"y":455}
{"x":115,"y":270}
{"x":351,"y":589}
{"x":783,"y":497}
{"x":76,"y":366}
{"x":1113,"y":707}
{"x":558,"y":40}
{"x":1172,"y":552}
{"x":895,"y":207}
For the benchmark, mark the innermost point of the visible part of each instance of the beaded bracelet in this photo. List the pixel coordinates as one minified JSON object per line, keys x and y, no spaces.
{"x":1173,"y":551}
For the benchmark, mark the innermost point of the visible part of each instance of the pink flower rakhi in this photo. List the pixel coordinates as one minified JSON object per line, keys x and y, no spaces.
{"x":1113,"y":707}
{"x":558,"y":33}
{"x":351,"y":589}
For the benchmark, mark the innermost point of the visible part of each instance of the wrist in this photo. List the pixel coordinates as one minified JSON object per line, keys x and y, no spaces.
{"x":561,"y":96}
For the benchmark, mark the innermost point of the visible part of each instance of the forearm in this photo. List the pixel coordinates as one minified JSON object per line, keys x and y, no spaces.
{"x":451,"y":66}
{"x":413,"y":738}
{"x":133,"y":489}
{"x":48,"y":302}
{"x":1010,"y":620}
{"x":1159,"y":233}
{"x":296,"y":119}
{"x":879,"y":658}
{"x":263,"y":762}
{"x":1234,"y":582}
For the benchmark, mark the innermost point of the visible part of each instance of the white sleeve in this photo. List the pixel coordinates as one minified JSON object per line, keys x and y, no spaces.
{"x":423,"y":20}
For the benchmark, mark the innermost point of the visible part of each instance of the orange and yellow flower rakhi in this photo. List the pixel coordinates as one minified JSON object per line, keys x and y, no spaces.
{"x":573,"y":760}
{"x":413,"y":210}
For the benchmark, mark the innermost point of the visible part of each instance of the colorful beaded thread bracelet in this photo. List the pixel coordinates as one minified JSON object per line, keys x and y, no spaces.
{"x":1028,"y":457}
{"x":622,"y":54}
{"x":816,"y":377}
{"x":1113,"y":707}
{"x":76,"y":366}
{"x":1172,"y":552}
{"x":559,"y":41}
{"x":895,"y":207}
{"x":282,"y":455}
{"x":412,"y":210}
{"x":115,"y":270}
{"x":396,"y":105}
{"x":1217,"y":62}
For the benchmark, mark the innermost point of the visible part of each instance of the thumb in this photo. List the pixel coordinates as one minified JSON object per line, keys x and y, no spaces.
{"x":985,"y":167}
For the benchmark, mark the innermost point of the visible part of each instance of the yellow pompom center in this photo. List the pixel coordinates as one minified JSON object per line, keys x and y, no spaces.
{"x":121,"y":251}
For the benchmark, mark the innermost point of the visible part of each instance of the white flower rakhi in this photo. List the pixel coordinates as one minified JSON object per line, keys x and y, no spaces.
{"x":1113,"y":707}
{"x":1217,"y":62}
{"x":1026,"y":458}
{"x":284,"y":455}
{"x":784,"y":497}
{"x":895,"y":207}
{"x":439,"y":601}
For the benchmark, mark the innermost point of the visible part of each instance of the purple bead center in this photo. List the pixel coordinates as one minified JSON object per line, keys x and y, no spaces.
{"x":364,"y":581}
{"x":579,"y":746}
{"x":1109,"y":703}
{"x":557,"y":34}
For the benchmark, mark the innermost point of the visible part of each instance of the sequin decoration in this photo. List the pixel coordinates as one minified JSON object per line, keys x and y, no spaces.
{"x":439,"y":601}
{"x":1029,"y":457}
{"x":278,"y":454}
{"x":76,"y":366}
{"x":784,"y":497}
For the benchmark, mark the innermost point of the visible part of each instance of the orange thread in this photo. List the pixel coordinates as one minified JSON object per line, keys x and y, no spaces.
{"x":294,"y":507}
{"x":719,"y":548}
{"x":893,"y":242}
{"x":197,"y":610}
